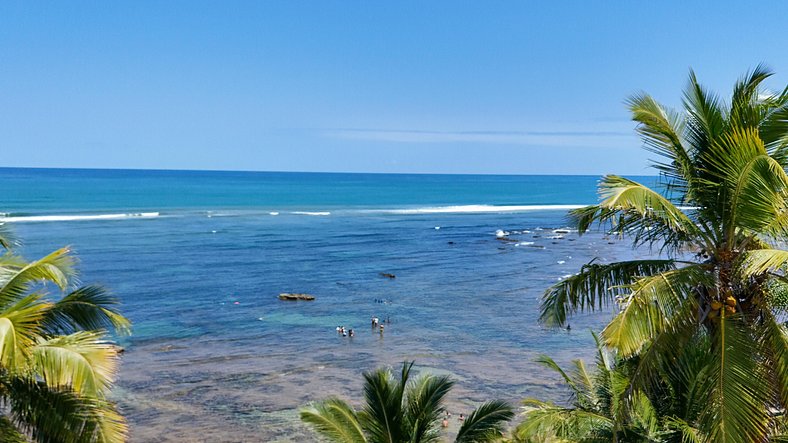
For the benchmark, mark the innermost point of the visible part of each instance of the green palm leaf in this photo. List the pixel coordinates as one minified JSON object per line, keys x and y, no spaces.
{"x":19,"y":329}
{"x":550,"y":423}
{"x":736,"y":405}
{"x":425,"y":399}
{"x":653,"y":307}
{"x":661,"y":131}
{"x":61,"y":416}
{"x":83,"y":362}
{"x":87,"y":308}
{"x":383,"y":416}
{"x":7,"y":238}
{"x":15,"y":281}
{"x":774,"y":336}
{"x":595,"y":287}
{"x":485,"y":423}
{"x":335,"y":420}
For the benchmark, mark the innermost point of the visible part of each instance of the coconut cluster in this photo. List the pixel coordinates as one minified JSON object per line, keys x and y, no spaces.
{"x":717,"y":306}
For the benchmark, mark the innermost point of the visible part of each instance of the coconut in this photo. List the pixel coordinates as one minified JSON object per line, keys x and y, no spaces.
{"x":730,"y":301}
{"x":716,"y":305}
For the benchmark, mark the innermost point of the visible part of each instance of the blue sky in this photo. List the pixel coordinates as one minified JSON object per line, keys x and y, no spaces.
{"x":363,"y":86}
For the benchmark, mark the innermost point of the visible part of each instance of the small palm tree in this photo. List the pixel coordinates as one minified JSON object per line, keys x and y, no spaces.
{"x":596,"y":414}
{"x":56,"y":363}
{"x":402,"y":411}
{"x":671,"y":412}
{"x":721,"y":220}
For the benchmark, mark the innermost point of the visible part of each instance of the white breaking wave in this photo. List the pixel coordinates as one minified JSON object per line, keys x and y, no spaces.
{"x":55,"y":218}
{"x":524,"y":243}
{"x":311,"y":213}
{"x":478,"y":209}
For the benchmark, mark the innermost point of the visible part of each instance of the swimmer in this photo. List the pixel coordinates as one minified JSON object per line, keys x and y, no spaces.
{"x":350,"y":332}
{"x":381,"y":329}
{"x":461,"y":418}
{"x":445,"y":423}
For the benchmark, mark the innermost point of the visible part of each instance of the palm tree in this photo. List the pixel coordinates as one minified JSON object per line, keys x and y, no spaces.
{"x":719,"y":221}
{"x":402,"y":411}
{"x":597,"y":414}
{"x":56,"y":363}
{"x":670,"y":412}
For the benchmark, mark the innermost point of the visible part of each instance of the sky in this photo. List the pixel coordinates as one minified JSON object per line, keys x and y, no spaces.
{"x":493,"y":87}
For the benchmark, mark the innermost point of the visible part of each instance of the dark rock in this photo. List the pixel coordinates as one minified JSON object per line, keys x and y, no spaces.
{"x":294,"y":297}
{"x":387,"y":275}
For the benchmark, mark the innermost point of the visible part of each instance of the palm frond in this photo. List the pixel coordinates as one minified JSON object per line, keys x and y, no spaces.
{"x":87,"y":308}
{"x":334,"y":420}
{"x":547,"y":422}
{"x":51,"y":415}
{"x":745,"y":112}
{"x":549,"y":363}
{"x":595,"y":287}
{"x":706,"y":117}
{"x":736,"y":401}
{"x":7,"y":239}
{"x":586,"y":392}
{"x":56,"y":268}
{"x":755,"y":182}
{"x":656,"y":304}
{"x":9,"y":433}
{"x":19,"y":330}
{"x":628,"y":208}
{"x":425,"y":398}
{"x":774,"y":126}
{"x":383,"y":416}
{"x":644,"y":418}
{"x":759,"y":261}
{"x":83,"y":362}
{"x":774,"y":337}
{"x":687,"y":432}
{"x":661,"y":131}
{"x":485,"y":423}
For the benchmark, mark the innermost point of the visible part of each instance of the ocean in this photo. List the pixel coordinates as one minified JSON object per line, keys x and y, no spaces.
{"x":198,"y":259}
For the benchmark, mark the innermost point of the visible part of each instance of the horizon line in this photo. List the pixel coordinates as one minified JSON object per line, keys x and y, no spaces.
{"x":250,"y":171}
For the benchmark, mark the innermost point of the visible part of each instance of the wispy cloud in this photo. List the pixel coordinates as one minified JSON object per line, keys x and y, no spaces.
{"x":542,"y":138}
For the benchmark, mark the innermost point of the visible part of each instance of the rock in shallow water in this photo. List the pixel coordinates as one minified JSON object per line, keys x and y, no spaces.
{"x":294,"y":297}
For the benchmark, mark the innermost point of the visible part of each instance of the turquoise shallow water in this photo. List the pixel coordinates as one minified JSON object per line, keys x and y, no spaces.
{"x":215,"y":356}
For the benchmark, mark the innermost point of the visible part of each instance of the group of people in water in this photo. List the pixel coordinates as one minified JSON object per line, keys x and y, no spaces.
{"x":341,"y":330}
{"x":377,"y":324}
{"x":446,"y":418}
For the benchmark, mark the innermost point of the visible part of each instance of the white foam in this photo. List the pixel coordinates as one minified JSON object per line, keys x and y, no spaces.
{"x":524,"y":243}
{"x":54,"y":218}
{"x":273,"y":213}
{"x":479,"y":208}
{"x":317,"y":213}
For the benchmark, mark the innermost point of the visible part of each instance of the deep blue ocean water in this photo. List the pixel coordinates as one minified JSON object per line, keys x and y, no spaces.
{"x":198,"y":259}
